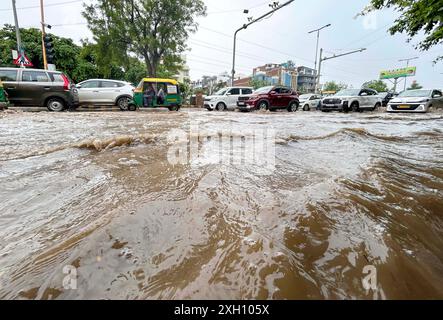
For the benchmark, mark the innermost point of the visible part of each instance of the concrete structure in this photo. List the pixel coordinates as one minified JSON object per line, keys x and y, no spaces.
{"x":184,"y":72}
{"x":277,"y":74}
{"x":306,"y":78}
{"x":243,"y":82}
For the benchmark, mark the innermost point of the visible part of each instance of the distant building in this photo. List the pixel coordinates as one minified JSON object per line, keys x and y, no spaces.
{"x":277,"y":74}
{"x":243,"y":82}
{"x":184,"y":72}
{"x":306,"y":78}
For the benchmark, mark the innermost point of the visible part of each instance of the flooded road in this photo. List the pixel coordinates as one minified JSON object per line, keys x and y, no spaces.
{"x":96,"y":206}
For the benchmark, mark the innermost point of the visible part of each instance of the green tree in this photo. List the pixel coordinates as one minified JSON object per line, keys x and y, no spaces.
{"x":415,"y":86}
{"x":334,"y":86}
{"x":155,"y":31}
{"x":257,"y":83}
{"x":377,"y":85}
{"x":417,"y":17}
{"x":186,"y":89}
{"x":76,"y":61}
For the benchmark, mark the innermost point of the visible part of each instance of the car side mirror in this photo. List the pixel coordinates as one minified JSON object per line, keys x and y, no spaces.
{"x":228,"y":93}
{"x":272,"y":92}
{"x":364,"y":94}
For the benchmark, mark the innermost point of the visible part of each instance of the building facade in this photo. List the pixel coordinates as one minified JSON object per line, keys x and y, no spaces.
{"x":306,"y":78}
{"x":277,"y":74}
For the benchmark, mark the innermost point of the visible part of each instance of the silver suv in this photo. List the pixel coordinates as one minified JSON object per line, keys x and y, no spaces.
{"x":105,"y":92}
{"x":416,"y":101}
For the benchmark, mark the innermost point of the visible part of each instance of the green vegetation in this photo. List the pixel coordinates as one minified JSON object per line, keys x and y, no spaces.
{"x":255,"y":83}
{"x":415,"y":86}
{"x":417,"y":17}
{"x":155,"y":31}
{"x":377,"y":85}
{"x":334,"y":86}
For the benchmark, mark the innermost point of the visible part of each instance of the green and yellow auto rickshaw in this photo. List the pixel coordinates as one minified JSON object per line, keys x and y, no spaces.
{"x":157,"y":93}
{"x":3,"y":97}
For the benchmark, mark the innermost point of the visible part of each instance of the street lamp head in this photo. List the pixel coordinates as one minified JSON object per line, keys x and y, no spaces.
{"x":246,"y":11}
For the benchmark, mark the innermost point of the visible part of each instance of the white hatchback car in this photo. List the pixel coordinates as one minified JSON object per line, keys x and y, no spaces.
{"x":310,"y":101}
{"x":105,"y":92}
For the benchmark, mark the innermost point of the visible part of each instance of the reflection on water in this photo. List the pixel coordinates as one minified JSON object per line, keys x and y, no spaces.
{"x":97,"y":193}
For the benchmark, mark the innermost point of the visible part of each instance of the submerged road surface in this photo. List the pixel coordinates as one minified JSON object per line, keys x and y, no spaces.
{"x":199,"y":205}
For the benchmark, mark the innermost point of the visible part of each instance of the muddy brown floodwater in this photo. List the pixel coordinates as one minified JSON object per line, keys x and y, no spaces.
{"x":92,"y":207}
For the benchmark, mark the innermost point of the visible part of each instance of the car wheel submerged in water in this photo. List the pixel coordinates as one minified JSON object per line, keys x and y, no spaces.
{"x":376,"y":107}
{"x":263,"y":106}
{"x":55,"y":105}
{"x":174,"y":108}
{"x":220,"y":106}
{"x":355,"y":107}
{"x":123,"y":103}
{"x":293,"y":106}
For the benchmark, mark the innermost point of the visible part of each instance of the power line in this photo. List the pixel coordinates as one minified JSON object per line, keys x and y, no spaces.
{"x":257,"y":44}
{"x":239,"y":9}
{"x":46,"y":5}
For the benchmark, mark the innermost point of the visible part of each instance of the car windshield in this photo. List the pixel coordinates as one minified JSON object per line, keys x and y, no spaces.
{"x":305,"y":96}
{"x":348,"y":92}
{"x":263,"y":90}
{"x":221,"y":92}
{"x":415,"y":93}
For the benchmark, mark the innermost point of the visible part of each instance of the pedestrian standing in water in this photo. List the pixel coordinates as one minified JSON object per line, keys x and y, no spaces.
{"x":148,"y":96}
{"x":161,"y":96}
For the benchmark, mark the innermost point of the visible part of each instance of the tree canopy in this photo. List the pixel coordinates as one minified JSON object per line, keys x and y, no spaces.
{"x":377,"y":85}
{"x":416,"y":16}
{"x":415,"y":86}
{"x":151,"y":30}
{"x":80,"y":62}
{"x":334,"y":86}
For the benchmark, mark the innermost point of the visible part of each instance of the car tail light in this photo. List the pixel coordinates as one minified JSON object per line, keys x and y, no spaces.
{"x":66,"y":83}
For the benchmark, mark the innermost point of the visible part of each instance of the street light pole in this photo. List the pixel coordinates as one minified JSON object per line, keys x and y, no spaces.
{"x":316,"y":48}
{"x":333,"y":57}
{"x":42,"y":13}
{"x":245,"y":26}
{"x":17,"y":28}
{"x":407,"y":65}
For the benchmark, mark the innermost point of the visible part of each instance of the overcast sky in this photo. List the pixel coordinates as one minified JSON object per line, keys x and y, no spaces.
{"x":284,"y":36}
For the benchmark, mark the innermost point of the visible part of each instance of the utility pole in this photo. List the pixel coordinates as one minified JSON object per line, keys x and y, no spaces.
{"x":316,"y":49}
{"x":333,"y":57}
{"x":17,"y":28}
{"x":42,"y":12}
{"x":245,"y":26}
{"x":407,"y":65}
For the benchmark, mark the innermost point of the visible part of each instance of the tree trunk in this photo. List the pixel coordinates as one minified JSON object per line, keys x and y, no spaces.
{"x":149,"y":66}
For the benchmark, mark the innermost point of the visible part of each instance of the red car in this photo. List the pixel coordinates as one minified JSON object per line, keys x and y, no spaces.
{"x":270,"y":98}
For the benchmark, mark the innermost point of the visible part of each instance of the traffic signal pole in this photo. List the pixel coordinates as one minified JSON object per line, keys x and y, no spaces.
{"x":245,"y":26}
{"x":17,"y":28}
{"x":42,"y":12}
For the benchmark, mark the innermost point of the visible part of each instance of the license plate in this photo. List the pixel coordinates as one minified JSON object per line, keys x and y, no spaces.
{"x":403,"y":106}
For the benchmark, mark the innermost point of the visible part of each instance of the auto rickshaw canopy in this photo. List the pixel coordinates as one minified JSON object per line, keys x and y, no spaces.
{"x":171,"y":81}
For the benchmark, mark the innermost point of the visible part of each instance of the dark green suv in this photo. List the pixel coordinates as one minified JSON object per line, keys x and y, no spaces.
{"x":39,"y":88}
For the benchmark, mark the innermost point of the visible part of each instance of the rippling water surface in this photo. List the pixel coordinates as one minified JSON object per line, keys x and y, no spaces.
{"x":98,"y":192}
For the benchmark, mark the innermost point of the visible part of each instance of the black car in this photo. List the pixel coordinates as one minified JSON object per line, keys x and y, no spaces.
{"x":386,"y":97}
